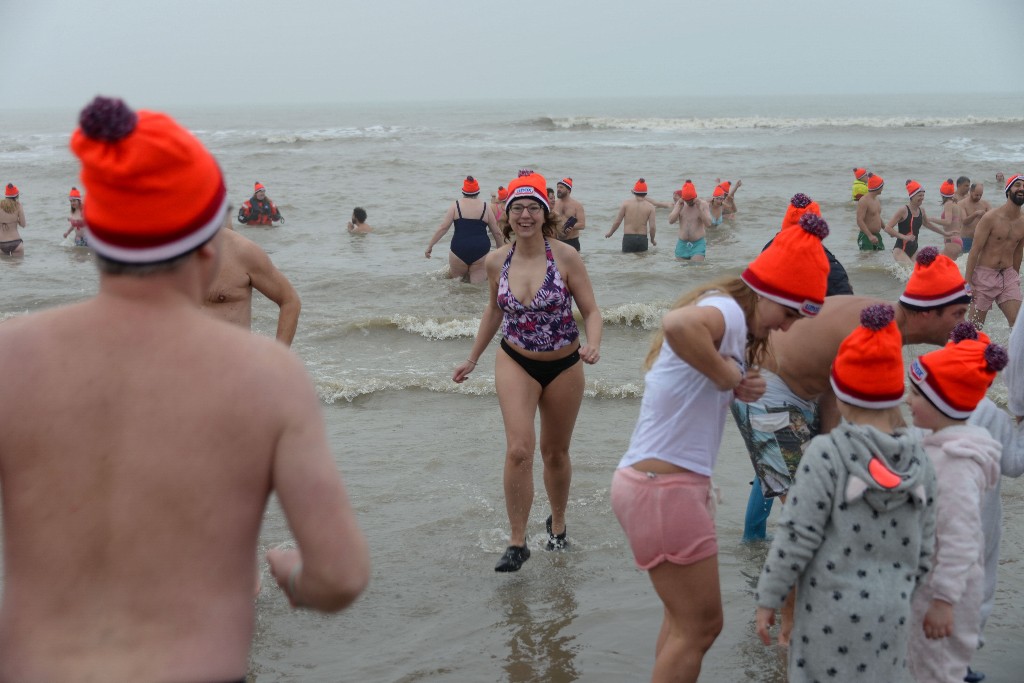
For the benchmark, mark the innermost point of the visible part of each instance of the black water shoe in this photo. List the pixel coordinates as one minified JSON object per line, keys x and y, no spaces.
{"x":556,"y":542}
{"x":513,"y":559}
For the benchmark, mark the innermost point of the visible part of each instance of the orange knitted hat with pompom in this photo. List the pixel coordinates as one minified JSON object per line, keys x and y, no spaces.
{"x":640,"y":187}
{"x":793,"y":270}
{"x":799,"y":205}
{"x":154,"y":191}
{"x":868,"y":369}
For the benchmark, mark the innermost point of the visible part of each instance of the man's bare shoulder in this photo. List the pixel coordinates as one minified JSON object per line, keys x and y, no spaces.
{"x":839,"y":314}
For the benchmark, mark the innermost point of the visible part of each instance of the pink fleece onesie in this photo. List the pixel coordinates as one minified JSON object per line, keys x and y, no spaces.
{"x":966,"y":460}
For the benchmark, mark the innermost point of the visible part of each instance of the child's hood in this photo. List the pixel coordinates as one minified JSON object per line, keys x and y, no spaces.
{"x":887,"y":470}
{"x":970,"y":442}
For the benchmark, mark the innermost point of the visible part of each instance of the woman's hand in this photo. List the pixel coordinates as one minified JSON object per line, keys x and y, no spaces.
{"x":590,"y":354}
{"x":751,"y":387}
{"x":462,"y":371}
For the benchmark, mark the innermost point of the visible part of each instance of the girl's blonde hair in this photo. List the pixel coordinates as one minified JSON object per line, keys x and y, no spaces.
{"x":9,"y":205}
{"x":857,"y":414}
{"x":757,"y":349}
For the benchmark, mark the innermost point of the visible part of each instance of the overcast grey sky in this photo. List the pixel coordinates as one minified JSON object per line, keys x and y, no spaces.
{"x":61,"y":53}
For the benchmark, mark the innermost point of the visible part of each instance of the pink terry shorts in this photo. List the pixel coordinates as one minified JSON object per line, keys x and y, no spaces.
{"x":989,"y":284}
{"x":666,"y":517}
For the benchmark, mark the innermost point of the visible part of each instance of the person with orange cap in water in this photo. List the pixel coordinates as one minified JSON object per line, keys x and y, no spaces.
{"x":993,"y":266}
{"x":472,"y":218}
{"x":694,"y":218}
{"x":729,"y":212}
{"x":75,"y":220}
{"x":869,"y":217}
{"x":147,"y":464}
{"x":258,"y":209}
{"x":858,"y":530}
{"x":12,"y":215}
{"x":637,"y":216}
{"x":860,"y":183}
{"x":908,"y":219}
{"x":574,"y":218}
{"x":534,"y":280}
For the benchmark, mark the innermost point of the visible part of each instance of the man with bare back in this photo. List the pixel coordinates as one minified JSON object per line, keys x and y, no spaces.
{"x":574,"y":218}
{"x":135,"y":478}
{"x":638,"y":215}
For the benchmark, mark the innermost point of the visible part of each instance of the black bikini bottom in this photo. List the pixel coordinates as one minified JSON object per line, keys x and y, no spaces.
{"x":543,"y":371}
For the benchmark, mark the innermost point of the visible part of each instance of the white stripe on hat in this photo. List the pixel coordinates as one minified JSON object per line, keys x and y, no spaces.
{"x":162,"y":252}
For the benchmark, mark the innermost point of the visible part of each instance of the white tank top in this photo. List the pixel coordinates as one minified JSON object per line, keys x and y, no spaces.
{"x":682,"y":414}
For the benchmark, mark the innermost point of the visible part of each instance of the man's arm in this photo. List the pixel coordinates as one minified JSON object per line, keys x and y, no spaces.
{"x":980,"y":238}
{"x":650,"y":225}
{"x":243,"y":213}
{"x":271,"y":283}
{"x":331,"y":566}
{"x":935,"y":225}
{"x":1018,"y":250}
{"x":618,"y":221}
{"x":673,"y":216}
{"x":581,"y":219}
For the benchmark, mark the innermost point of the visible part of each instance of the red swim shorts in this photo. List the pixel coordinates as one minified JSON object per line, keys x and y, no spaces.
{"x":666,"y":517}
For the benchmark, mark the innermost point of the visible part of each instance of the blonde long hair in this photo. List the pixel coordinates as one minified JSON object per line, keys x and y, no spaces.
{"x":757,"y":349}
{"x":9,"y":205}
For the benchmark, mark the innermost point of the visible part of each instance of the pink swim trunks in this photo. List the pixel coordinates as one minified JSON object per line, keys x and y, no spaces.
{"x":990,"y":285}
{"x":666,"y":517}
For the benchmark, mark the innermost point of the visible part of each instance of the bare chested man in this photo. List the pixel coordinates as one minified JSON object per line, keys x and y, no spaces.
{"x":799,"y":402}
{"x":357,"y":225}
{"x":993,"y":266}
{"x":636,"y":216}
{"x":134,"y":479}
{"x":244,"y":267}
{"x":574,"y":218}
{"x":694,"y":217}
{"x":869,"y":217}
{"x":974,"y":208}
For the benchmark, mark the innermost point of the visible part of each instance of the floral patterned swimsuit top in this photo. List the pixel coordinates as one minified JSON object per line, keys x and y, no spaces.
{"x":547,"y":323}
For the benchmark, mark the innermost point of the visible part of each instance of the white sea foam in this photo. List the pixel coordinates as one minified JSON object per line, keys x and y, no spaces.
{"x":655,"y":124}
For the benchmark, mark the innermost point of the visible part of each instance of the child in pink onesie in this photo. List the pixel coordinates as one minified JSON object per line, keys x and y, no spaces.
{"x":946,"y":386}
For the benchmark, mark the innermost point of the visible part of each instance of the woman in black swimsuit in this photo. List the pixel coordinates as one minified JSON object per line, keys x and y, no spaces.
{"x":908,"y":221}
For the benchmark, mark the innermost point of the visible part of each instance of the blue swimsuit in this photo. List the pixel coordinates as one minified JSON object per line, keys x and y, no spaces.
{"x":470,"y":243}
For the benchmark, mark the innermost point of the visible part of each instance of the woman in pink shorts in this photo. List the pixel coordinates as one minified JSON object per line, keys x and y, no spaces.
{"x":661,"y":492}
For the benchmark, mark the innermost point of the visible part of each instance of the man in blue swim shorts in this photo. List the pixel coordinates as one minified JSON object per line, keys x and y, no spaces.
{"x":691,"y":250}
{"x":694,"y":218}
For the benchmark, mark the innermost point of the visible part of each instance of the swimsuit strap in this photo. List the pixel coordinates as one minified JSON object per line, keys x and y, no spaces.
{"x":458,"y":208}
{"x":484,"y":212}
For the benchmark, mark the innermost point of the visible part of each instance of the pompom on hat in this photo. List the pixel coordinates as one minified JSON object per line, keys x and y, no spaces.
{"x":689,"y":192}
{"x":567,"y":182}
{"x":793,"y":271}
{"x":798,"y":206}
{"x":502,"y":193}
{"x":875,"y":182}
{"x":956,"y":377}
{"x":859,"y":173}
{"x":528,"y":185}
{"x":470,"y":186}
{"x":640,"y":187}
{"x":11,"y":192}
{"x":913,"y":187}
{"x":75,"y":194}
{"x":1009,"y":181}
{"x":154,"y":191}
{"x":935,"y":281}
{"x":948,"y":188}
{"x":868,"y":369}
